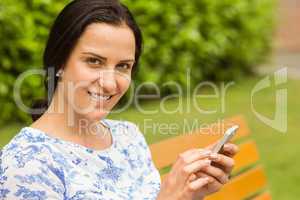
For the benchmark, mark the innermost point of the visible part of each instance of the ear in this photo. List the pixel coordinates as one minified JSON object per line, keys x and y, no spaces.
{"x":59,"y":73}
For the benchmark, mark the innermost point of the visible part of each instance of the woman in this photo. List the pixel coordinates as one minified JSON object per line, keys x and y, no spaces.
{"x":71,"y":151}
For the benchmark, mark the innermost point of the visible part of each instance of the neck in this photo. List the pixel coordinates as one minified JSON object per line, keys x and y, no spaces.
{"x":66,"y":121}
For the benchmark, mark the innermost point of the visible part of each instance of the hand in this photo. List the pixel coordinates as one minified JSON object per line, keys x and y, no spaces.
{"x":178,"y":184}
{"x":218,"y":172}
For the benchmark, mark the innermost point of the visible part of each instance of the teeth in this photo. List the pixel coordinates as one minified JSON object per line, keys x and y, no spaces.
{"x":99,"y":97}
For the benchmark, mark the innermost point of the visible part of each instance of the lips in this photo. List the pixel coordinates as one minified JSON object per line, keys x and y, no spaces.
{"x":99,"y":97}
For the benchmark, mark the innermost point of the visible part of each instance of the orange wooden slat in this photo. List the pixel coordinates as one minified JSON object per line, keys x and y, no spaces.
{"x":242,"y":186}
{"x":247,"y":155}
{"x":165,"y":152}
{"x":263,"y":196}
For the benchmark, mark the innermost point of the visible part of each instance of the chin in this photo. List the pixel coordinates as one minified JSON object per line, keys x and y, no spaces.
{"x":96,"y":115}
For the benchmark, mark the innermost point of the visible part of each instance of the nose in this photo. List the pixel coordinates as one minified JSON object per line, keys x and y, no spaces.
{"x":107,"y":81}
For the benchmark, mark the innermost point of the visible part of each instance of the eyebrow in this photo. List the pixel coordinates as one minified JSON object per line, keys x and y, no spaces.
{"x":103,"y":58}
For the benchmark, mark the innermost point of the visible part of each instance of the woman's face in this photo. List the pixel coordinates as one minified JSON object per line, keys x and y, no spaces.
{"x":98,"y":71}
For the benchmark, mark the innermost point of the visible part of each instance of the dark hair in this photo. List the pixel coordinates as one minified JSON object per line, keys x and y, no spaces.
{"x":67,"y":29}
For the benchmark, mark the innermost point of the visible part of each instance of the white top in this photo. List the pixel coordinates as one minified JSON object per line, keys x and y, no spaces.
{"x":37,"y":166}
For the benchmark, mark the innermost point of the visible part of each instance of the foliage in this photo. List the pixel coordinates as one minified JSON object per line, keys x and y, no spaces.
{"x":217,"y":40}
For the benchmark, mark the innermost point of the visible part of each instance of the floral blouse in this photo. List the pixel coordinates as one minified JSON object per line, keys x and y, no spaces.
{"x":36,"y":166}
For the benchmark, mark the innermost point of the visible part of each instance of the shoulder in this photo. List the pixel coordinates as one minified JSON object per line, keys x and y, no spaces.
{"x":25,"y":147}
{"x":23,"y":140}
{"x":29,"y":177}
{"x":25,"y":165}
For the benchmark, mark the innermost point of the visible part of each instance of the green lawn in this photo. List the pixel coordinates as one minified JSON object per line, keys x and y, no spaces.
{"x":279,"y":152}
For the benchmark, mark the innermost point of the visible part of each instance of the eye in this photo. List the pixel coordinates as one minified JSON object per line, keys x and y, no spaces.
{"x":124,"y":66}
{"x":93,"y":61}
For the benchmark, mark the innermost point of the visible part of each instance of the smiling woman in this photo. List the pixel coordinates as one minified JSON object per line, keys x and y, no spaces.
{"x":71,"y":151}
{"x":95,"y":76}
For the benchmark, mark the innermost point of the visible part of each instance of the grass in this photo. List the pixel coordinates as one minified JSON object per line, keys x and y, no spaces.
{"x":279,"y":151}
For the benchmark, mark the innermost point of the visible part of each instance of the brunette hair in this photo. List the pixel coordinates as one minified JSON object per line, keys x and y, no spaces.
{"x":66,"y":31}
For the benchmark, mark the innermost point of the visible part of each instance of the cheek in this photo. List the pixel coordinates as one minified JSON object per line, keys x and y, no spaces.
{"x":124,"y":84}
{"x":77,"y":79}
{"x":78,"y":72}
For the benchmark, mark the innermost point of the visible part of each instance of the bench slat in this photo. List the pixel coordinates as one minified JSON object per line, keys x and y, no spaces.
{"x":247,"y":155}
{"x":263,"y":196}
{"x":165,"y":152}
{"x":242,"y":186}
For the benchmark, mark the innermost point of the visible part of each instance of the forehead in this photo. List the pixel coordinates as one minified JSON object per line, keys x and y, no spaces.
{"x":108,"y":40}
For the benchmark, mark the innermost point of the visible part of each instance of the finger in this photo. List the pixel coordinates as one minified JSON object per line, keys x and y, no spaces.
{"x":198,"y":184}
{"x":214,"y":185}
{"x":218,"y":166}
{"x":193,"y":155}
{"x":191,"y":151}
{"x":197,"y":155}
{"x":194,"y":167}
{"x":201,"y":174}
{"x":211,"y":146}
{"x":217,"y":173}
{"x":226,"y":162}
{"x":192,"y":177}
{"x":222,"y":168}
{"x":230,"y":149}
{"x":178,"y":170}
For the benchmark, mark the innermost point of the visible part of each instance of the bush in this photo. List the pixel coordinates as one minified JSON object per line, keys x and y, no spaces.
{"x":218,"y":40}
{"x":24,"y":27}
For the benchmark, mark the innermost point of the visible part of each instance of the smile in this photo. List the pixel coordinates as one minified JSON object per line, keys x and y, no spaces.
{"x":99,"y":97}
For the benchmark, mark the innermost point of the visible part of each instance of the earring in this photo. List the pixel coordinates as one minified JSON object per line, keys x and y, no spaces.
{"x":59,"y":73}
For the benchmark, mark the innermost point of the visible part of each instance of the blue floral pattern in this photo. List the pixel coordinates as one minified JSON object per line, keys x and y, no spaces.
{"x":36,"y":166}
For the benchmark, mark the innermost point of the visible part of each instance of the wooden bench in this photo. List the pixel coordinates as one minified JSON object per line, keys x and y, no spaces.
{"x":248,"y":179}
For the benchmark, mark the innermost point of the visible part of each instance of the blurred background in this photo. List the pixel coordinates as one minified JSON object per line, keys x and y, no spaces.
{"x":219,"y":40}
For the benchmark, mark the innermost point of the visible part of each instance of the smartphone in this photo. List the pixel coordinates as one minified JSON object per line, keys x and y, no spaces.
{"x":230,"y":132}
